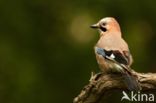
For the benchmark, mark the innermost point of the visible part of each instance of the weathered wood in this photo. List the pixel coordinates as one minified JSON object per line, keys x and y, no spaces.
{"x":100,"y":84}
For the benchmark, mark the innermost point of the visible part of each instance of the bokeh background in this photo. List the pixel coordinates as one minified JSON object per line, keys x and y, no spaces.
{"x":46,"y":46}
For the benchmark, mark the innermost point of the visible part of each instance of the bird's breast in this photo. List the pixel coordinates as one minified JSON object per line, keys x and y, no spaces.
{"x":112,"y":43}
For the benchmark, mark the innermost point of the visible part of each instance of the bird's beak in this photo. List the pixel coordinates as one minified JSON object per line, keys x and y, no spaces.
{"x":95,"y":26}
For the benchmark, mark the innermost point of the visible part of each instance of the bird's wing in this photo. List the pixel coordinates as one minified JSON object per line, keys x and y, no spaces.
{"x":115,"y":55}
{"x":119,"y":57}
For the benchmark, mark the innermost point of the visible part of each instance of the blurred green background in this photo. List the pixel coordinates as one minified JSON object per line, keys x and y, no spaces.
{"x":46,"y":46}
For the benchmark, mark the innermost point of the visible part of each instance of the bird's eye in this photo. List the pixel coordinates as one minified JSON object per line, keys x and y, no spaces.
{"x":103,"y":27}
{"x":104,"y":24}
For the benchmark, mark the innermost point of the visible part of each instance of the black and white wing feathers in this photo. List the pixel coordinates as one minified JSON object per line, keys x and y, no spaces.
{"x":113,"y":55}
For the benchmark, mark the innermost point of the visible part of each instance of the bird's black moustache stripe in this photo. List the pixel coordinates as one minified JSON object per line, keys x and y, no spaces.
{"x":103,"y":29}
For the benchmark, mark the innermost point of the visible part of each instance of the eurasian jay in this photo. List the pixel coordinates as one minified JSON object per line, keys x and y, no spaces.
{"x":112,"y":52}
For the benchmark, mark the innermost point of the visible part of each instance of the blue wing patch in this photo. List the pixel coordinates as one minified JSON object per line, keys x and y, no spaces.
{"x":100,"y":51}
{"x":115,"y":55}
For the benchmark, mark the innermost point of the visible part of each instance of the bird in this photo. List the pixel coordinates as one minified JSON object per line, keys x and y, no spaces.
{"x":112,"y":52}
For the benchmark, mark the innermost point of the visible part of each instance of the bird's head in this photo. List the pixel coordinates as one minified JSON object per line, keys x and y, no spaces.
{"x":107,"y":24}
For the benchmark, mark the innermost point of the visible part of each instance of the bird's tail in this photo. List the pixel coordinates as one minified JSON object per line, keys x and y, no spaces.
{"x":131,"y":82}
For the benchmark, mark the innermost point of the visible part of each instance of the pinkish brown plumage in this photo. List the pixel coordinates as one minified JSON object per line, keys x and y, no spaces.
{"x":112,"y":52}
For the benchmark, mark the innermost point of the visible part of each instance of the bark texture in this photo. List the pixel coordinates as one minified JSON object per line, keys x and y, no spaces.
{"x":101,"y":84}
